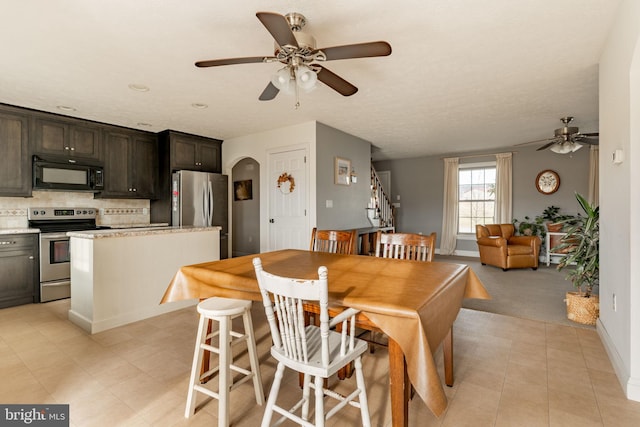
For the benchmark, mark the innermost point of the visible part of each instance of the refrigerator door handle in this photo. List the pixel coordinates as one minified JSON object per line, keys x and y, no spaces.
{"x":205,"y":207}
{"x":210,"y":216}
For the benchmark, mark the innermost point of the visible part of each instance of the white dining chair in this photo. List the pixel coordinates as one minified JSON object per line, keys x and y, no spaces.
{"x":315,"y":351}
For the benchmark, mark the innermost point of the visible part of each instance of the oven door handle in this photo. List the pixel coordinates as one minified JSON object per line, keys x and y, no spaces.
{"x":52,"y":236}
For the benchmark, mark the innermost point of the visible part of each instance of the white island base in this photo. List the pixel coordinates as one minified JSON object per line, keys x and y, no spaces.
{"x":119,"y":276}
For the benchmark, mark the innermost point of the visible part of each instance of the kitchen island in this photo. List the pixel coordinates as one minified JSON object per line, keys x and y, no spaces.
{"x":119,"y":276}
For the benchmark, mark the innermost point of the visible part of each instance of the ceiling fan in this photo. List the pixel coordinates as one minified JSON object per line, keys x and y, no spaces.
{"x":567,"y":139}
{"x":297,"y":50}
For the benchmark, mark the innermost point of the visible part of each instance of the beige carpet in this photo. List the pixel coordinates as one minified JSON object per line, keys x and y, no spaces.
{"x":524,"y":293}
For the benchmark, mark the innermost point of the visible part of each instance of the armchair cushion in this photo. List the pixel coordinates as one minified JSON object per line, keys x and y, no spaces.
{"x":499,"y":246}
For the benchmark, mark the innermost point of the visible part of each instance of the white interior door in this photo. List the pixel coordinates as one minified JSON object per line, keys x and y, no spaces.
{"x":288,"y":202}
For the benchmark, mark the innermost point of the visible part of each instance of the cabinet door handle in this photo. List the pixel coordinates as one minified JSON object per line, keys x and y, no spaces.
{"x":31,"y":257}
{"x":8,"y":242}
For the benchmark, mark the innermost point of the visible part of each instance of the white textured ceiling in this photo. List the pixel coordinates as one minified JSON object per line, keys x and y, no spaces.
{"x":464,"y":75}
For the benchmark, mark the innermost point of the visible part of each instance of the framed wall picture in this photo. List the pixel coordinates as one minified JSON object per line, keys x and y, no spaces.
{"x":342,"y":171}
{"x":242,"y":190}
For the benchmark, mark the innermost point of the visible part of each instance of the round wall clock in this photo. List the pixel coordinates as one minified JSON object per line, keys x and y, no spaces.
{"x":547,"y":182}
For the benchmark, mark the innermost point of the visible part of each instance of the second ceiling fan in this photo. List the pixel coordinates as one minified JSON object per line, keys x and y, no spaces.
{"x":567,"y":139}
{"x":297,"y":50}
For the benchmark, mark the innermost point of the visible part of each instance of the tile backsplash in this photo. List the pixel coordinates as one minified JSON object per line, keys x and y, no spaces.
{"x":13,"y":210}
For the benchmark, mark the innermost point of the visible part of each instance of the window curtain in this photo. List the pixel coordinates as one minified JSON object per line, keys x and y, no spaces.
{"x":594,"y":175}
{"x":504,"y":189}
{"x":450,"y":207}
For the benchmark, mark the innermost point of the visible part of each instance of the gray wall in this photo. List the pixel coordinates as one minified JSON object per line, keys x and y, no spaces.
{"x":419,"y":182}
{"x":349,"y":202}
{"x":246,"y":213}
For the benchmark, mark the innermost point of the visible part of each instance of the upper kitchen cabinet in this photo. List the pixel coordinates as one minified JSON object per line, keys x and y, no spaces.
{"x":68,"y":138}
{"x":130,"y":164}
{"x":191,"y":152}
{"x":182,"y":151}
{"x":15,"y":162}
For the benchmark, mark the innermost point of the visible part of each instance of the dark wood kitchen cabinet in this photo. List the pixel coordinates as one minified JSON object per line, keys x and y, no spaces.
{"x":67,"y":139}
{"x":130,"y":164}
{"x":182,"y":151}
{"x":19,"y":269}
{"x":191,"y":152}
{"x":15,"y":162}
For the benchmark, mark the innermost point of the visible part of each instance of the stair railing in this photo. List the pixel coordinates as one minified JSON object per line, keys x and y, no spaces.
{"x":380,"y":207}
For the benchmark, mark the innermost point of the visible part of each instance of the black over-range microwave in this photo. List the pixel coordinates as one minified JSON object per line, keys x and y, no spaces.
{"x":70,"y":175}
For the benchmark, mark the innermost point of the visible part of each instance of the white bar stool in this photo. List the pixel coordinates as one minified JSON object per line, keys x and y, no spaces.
{"x":223,"y":311}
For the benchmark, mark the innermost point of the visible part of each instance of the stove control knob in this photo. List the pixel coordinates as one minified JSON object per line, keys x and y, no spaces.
{"x":90,"y":212}
{"x":35,"y":212}
{"x":42,"y":212}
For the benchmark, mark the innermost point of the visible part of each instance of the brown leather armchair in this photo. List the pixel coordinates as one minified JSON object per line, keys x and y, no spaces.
{"x":499,"y":247}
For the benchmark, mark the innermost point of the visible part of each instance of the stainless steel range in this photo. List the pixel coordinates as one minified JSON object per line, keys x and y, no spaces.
{"x":55,"y":265}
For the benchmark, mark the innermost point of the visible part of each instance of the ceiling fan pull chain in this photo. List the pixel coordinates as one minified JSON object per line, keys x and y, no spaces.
{"x":297,"y":94}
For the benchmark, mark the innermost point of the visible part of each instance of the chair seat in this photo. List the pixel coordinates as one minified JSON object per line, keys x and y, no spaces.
{"x":519,"y":250}
{"x":314,"y":365}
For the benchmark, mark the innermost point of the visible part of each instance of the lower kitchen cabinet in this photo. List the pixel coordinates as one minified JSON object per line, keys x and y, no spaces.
{"x":19,"y":269}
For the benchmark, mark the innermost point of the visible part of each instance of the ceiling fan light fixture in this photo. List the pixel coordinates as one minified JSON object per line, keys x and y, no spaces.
{"x":282,"y":80}
{"x":565,"y":148}
{"x":306,"y":78}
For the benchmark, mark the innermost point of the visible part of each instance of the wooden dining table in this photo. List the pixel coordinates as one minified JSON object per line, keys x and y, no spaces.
{"x":413,"y":303}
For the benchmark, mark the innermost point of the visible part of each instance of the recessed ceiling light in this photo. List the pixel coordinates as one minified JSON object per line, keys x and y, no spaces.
{"x":144,"y":124}
{"x":139,"y":87}
{"x":199,"y":105}
{"x":65,"y":108}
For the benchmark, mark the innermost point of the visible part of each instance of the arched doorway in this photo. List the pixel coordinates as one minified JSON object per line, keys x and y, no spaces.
{"x":245,"y":208}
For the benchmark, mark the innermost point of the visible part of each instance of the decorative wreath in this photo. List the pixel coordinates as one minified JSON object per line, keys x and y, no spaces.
{"x":285,"y":177}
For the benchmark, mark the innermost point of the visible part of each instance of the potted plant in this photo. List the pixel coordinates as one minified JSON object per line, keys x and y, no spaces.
{"x":555,"y":221}
{"x":552,"y":218}
{"x":528,"y":227}
{"x":582,"y":240}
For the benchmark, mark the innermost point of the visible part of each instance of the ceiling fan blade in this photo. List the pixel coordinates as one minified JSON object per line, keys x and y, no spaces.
{"x":545,"y":146}
{"x":361,"y":50}
{"x":590,"y":134}
{"x":336,"y":82}
{"x":538,"y":141}
{"x":590,"y":141}
{"x":231,"y":61}
{"x":269,"y":92}
{"x":278,"y":27}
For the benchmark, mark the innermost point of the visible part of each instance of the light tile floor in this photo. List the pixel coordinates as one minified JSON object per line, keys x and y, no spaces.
{"x":508,"y":372}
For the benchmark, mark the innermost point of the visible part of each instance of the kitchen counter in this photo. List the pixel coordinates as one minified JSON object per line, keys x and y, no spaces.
{"x":18,"y":230}
{"x":144,"y":231}
{"x":119,"y":276}
{"x":135,"y":225}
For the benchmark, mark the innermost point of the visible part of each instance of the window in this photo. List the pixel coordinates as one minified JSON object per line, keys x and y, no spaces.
{"x":476,"y":195}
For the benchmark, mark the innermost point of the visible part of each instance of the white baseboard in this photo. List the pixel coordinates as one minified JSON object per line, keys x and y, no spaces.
{"x":471,"y":254}
{"x":630,"y":385}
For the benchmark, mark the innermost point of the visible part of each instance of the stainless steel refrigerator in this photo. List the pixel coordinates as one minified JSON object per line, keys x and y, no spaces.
{"x":200,"y":199}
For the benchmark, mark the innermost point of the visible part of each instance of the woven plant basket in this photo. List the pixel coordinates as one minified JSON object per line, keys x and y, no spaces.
{"x":582,"y":310}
